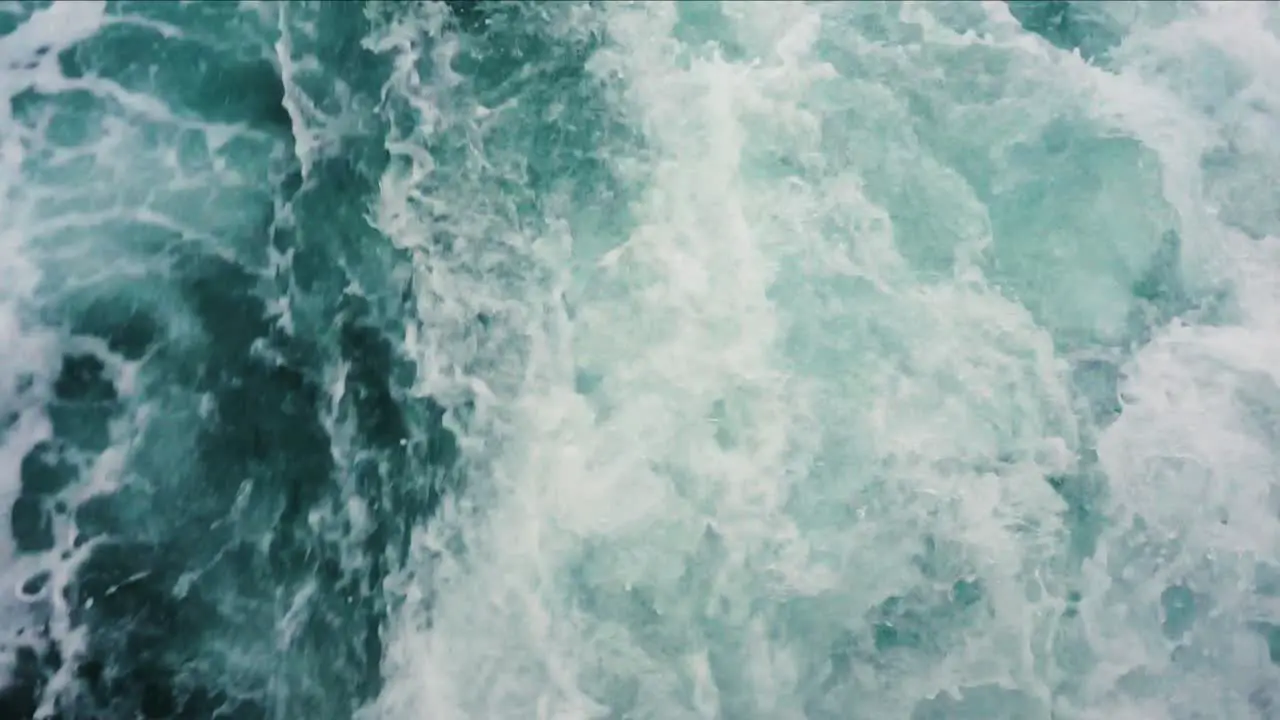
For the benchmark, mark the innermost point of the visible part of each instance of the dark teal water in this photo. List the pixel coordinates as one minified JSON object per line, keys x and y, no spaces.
{"x":639,"y":360}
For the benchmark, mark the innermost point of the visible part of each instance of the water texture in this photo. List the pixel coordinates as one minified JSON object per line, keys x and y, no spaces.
{"x":640,"y":360}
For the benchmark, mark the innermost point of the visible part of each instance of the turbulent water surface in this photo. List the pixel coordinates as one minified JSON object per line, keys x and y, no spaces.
{"x":645,"y":361}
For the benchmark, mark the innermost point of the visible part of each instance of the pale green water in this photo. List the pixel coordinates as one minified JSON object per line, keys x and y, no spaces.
{"x":641,"y":360}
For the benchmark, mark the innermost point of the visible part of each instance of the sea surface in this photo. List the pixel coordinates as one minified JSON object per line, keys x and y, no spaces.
{"x":640,"y":360}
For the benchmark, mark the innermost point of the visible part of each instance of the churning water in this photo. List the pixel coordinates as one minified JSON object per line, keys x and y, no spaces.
{"x":645,"y":361}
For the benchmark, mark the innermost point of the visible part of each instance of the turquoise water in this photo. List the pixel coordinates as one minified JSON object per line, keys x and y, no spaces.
{"x":753,"y":360}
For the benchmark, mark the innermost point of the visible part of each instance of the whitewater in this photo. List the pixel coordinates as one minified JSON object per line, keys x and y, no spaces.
{"x":640,"y":360}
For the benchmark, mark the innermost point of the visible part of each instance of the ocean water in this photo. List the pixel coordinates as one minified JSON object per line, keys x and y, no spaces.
{"x":640,"y":360}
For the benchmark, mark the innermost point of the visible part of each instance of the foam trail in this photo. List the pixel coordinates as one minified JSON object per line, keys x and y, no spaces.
{"x":1182,"y":607}
{"x":692,"y":536}
{"x":792,"y":450}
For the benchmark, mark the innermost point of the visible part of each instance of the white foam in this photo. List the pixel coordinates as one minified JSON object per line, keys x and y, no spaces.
{"x":30,"y":53}
{"x":800,"y":383}
{"x":28,"y":57}
{"x":1193,"y":458}
{"x":717,"y":480}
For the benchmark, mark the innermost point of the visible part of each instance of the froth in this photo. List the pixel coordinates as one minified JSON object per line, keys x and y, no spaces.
{"x":803,"y":437}
{"x":691,"y":535}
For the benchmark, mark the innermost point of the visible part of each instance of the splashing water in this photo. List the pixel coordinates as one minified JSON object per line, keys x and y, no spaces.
{"x":640,"y":360}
